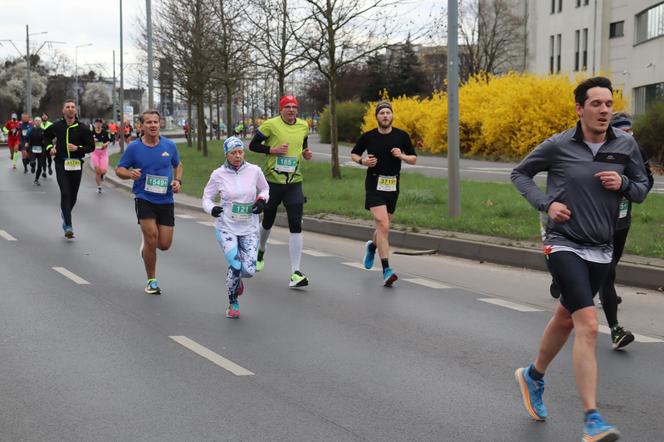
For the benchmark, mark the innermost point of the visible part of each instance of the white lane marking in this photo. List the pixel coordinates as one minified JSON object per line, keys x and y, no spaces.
{"x":7,"y":236}
{"x":64,"y":272}
{"x":183,"y":216}
{"x":211,"y":356}
{"x":357,"y":265}
{"x":314,"y":253}
{"x":274,"y":242}
{"x":206,"y":223}
{"x":427,"y":283}
{"x":511,"y":305}
{"x":638,"y":338}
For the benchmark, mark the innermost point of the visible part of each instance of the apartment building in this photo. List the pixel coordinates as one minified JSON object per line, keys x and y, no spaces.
{"x":621,"y":38}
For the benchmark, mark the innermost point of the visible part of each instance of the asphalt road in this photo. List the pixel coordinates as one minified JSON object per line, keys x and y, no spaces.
{"x":344,"y":359}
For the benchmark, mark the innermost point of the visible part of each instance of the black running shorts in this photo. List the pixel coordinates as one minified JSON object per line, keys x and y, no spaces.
{"x":577,"y":279}
{"x":375,"y":198}
{"x":164,"y":214}
{"x":289,"y":194}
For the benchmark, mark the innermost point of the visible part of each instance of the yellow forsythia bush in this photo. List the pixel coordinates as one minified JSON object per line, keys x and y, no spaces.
{"x":501,"y":116}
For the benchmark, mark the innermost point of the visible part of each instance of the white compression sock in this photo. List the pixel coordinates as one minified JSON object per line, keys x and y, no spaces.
{"x":295,"y":244}
{"x":264,"y":235}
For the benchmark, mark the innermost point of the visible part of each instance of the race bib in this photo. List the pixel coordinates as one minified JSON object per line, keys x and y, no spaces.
{"x":286,"y":164}
{"x":99,"y":144}
{"x":24,"y":132}
{"x":36,"y":149}
{"x":241,"y":211}
{"x":624,"y":208}
{"x":156,"y":184}
{"x":387,"y":183}
{"x":72,"y":164}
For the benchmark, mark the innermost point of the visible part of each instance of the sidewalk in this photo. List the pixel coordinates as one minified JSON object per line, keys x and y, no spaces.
{"x":637,"y":271}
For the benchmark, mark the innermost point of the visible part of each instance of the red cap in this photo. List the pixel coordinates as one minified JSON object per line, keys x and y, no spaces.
{"x":287,"y":99}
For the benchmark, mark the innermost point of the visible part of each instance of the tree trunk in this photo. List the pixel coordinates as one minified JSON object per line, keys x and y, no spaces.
{"x":189,"y":122}
{"x":229,"y":111}
{"x":218,"y":119}
{"x":200,"y":123}
{"x":334,"y":133}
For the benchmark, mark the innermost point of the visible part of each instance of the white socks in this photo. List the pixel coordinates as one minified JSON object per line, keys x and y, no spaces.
{"x":264,"y":235}
{"x":295,"y":244}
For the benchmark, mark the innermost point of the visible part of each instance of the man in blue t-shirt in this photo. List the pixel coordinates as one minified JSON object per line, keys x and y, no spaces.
{"x":152,"y":161}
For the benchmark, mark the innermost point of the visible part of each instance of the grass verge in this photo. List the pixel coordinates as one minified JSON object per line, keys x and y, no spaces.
{"x":494,"y":209}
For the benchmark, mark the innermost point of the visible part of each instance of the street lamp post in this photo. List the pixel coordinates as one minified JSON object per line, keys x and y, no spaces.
{"x":453,"y":200}
{"x":76,"y":70}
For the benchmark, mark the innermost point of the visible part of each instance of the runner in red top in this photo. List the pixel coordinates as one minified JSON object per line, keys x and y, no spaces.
{"x":14,"y":138}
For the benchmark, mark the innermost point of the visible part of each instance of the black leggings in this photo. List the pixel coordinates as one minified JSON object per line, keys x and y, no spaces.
{"x":41,"y":164}
{"x":69,"y":182}
{"x":608,"y":293}
{"x":294,"y":213}
{"x":577,"y":279}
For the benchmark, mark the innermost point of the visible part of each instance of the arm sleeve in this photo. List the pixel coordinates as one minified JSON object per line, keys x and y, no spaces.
{"x":47,"y":140}
{"x":305,"y":143}
{"x":175,"y":160}
{"x":646,"y":164}
{"x":256,"y":144}
{"x":127,"y":159}
{"x":209,"y":193}
{"x":262,"y":186}
{"x":522,"y":176}
{"x":359,"y":147}
{"x":88,"y":142}
{"x":635,"y":179}
{"x":408,"y":146}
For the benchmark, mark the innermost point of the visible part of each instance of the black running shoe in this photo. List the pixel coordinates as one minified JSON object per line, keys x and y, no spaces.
{"x":620,"y":337}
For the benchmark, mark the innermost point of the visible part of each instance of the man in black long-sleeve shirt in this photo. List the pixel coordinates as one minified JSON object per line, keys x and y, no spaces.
{"x":74,"y":140}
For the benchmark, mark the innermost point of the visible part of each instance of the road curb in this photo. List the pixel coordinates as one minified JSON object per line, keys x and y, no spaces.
{"x":636,"y":275}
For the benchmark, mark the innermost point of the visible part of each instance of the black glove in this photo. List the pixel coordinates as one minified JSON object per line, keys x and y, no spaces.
{"x":216,"y":211}
{"x":258,"y":206}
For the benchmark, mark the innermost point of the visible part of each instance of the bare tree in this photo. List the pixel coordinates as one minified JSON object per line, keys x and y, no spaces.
{"x":230,"y":52}
{"x":96,"y":99}
{"x":492,"y":32}
{"x":274,"y":42}
{"x":185,"y":33}
{"x":341,"y":32}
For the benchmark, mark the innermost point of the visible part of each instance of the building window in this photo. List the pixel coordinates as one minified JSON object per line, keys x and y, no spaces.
{"x":551,"y":52}
{"x":650,"y":23}
{"x":584,"y":47}
{"x":577,"y":42}
{"x":578,"y":3}
{"x":559,"y":39}
{"x":646,"y":96}
{"x":585,"y":2}
{"x":553,"y":6}
{"x":616,"y":29}
{"x":560,"y":5}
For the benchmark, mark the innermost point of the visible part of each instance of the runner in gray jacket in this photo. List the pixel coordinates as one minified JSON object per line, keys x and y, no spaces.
{"x":589,"y":169}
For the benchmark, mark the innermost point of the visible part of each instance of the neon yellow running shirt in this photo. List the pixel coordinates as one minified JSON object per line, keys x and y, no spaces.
{"x":284,"y":169}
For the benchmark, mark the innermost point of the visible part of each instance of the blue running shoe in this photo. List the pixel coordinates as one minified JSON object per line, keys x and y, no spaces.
{"x":389,"y":277}
{"x":152,"y":288}
{"x":531,"y":391}
{"x":596,"y":430}
{"x":369,"y":255}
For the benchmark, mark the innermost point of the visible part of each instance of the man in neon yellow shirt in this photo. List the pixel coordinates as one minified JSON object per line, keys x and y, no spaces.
{"x":284,"y":141}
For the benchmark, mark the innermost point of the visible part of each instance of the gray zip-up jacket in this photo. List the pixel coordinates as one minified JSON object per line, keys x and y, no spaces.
{"x":571,"y":180}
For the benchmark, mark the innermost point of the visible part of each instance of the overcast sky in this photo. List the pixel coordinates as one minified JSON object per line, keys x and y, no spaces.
{"x":79,"y":22}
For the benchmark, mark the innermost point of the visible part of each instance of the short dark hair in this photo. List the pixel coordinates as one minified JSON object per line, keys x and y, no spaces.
{"x":69,"y":100}
{"x":150,"y":112}
{"x":581,"y":91}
